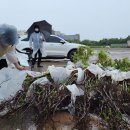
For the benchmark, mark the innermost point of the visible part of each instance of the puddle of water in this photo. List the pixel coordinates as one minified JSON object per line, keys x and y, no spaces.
{"x":21,"y":120}
{"x":24,"y":121}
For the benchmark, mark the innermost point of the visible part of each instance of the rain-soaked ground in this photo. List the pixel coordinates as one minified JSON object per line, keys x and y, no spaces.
{"x":23,"y":120}
{"x":114,"y":53}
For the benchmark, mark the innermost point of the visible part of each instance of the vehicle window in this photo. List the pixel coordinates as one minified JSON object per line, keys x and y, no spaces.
{"x":53,"y":39}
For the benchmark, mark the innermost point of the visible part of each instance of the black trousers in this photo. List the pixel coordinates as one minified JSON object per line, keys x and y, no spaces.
{"x":3,"y":63}
{"x":35,"y":57}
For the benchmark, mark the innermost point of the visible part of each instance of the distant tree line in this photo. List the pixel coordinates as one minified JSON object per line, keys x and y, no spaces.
{"x":103,"y":42}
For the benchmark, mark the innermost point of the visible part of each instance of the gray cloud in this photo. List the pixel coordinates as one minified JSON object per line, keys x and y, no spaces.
{"x":93,"y":19}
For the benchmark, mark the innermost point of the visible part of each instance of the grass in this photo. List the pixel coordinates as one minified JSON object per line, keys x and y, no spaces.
{"x":112,"y":46}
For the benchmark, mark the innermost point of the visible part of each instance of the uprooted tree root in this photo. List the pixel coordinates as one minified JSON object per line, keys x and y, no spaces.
{"x":106,"y":100}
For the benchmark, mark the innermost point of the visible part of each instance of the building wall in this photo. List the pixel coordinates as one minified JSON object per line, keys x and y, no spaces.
{"x":67,"y":37}
{"x":72,"y":37}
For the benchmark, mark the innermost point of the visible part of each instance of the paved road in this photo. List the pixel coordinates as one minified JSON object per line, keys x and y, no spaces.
{"x":46,"y":63}
{"x":119,"y":53}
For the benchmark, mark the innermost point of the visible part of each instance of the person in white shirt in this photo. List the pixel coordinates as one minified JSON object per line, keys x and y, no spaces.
{"x":36,"y":44}
{"x":8,"y":40}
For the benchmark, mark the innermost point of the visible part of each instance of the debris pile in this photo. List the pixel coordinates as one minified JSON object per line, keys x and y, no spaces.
{"x":91,"y":94}
{"x":85,"y":93}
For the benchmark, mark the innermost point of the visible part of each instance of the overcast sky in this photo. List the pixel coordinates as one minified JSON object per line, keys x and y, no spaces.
{"x":92,"y":19}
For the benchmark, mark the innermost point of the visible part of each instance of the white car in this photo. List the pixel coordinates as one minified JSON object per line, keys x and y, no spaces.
{"x":55,"y":47}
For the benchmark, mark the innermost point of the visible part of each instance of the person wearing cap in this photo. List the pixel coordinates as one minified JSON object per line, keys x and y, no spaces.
{"x":36,"y":44}
{"x":8,"y":41}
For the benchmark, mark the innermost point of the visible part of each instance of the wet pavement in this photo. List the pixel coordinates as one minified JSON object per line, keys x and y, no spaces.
{"x":114,"y":53}
{"x":119,"y":53}
{"x":49,"y":62}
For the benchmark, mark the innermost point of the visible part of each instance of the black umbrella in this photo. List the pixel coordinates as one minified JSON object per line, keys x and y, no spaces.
{"x":46,"y":34}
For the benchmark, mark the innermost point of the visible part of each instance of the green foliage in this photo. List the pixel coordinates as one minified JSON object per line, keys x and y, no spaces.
{"x":122,"y":64}
{"x":107,"y":115}
{"x":102,"y":56}
{"x":105,"y":42}
{"x":29,"y":80}
{"x":128,"y":38}
{"x":104,"y":59}
{"x":118,"y":45}
{"x":74,"y":41}
{"x":89,"y":43}
{"x":83,"y":53}
{"x":97,"y":46}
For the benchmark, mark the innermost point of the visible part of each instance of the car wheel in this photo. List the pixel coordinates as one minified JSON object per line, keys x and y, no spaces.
{"x":71,"y":54}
